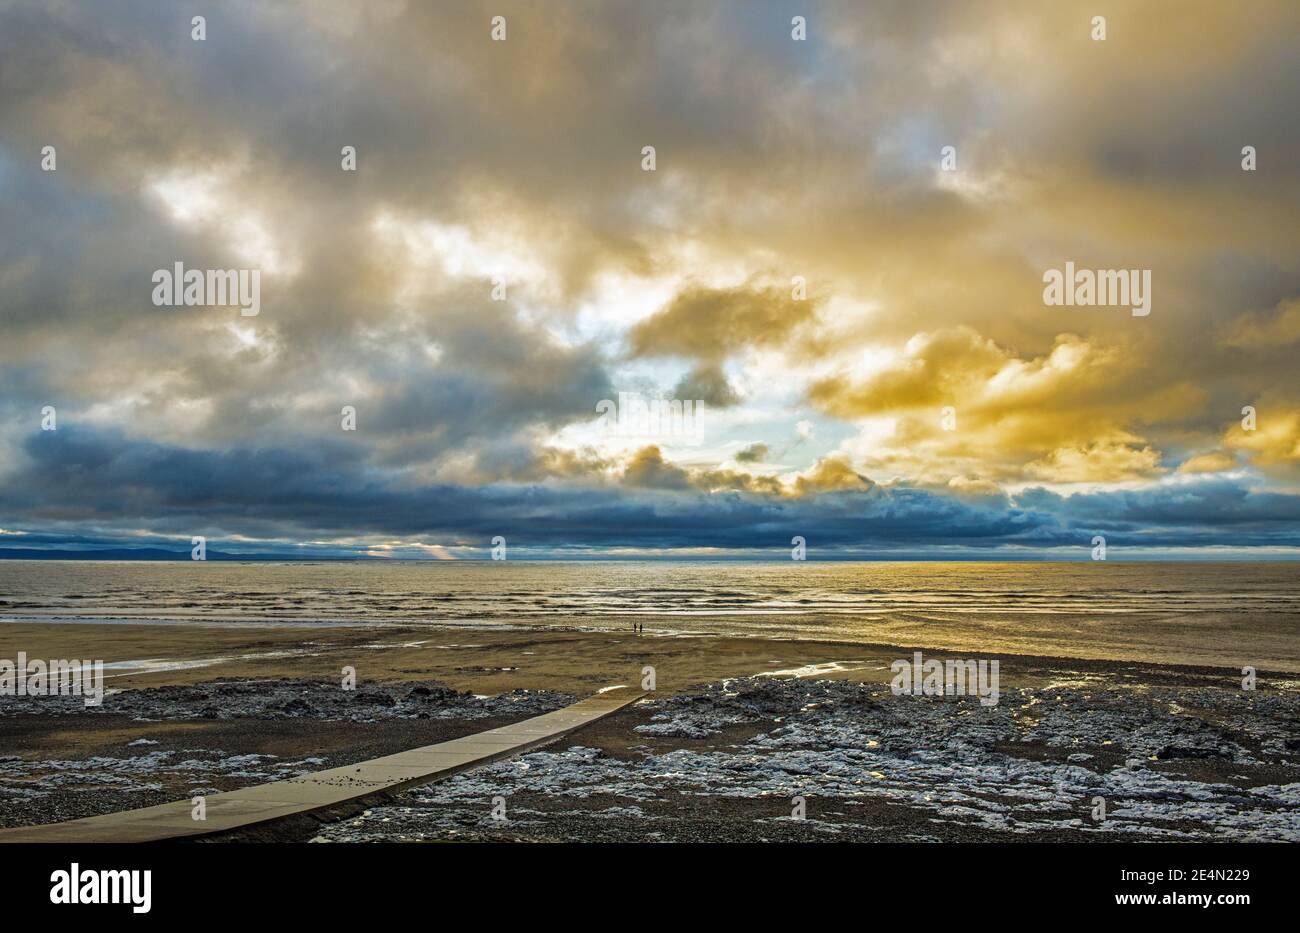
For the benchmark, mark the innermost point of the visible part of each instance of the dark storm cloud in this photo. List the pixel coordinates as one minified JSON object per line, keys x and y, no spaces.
{"x":1206,"y":509}
{"x":106,"y":482}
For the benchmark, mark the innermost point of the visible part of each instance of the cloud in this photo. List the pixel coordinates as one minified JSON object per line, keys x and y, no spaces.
{"x":1213,"y":461}
{"x":521,"y":161}
{"x":1072,"y":415}
{"x":1280,"y":328}
{"x":709,"y":324}
{"x":832,"y":474}
{"x":1274,"y":443}
{"x":128,"y":491}
{"x":707,"y":383}
{"x":1105,"y":463}
{"x":648,"y":468}
{"x":754,"y":453}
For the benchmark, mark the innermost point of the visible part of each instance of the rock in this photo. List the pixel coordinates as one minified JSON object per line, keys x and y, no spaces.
{"x":423,"y":694}
{"x":297,"y":707}
{"x":1188,"y":751}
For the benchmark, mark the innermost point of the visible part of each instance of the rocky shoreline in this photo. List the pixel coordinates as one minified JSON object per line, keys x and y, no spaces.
{"x":1084,"y":758}
{"x":148,"y":746}
{"x":727,"y":762}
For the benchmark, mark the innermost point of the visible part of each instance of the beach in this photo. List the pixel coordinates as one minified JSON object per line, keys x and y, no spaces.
{"x":742,"y":739}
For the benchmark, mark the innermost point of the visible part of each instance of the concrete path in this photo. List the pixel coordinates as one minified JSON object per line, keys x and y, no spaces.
{"x":326,"y":789}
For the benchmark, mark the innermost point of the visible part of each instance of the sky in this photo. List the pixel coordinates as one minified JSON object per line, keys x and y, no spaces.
{"x":858,"y":324}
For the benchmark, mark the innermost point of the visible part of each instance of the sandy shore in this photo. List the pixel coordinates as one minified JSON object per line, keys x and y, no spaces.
{"x":737,"y":729}
{"x":489,"y":660}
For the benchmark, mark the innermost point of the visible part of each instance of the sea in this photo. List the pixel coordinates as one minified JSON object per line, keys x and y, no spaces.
{"x":1236,"y":614}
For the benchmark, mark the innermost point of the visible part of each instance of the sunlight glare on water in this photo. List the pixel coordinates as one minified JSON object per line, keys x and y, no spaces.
{"x":1224,"y":614}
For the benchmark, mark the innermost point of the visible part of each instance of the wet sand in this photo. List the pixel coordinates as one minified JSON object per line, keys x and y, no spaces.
{"x":480,"y":660}
{"x":488,"y":660}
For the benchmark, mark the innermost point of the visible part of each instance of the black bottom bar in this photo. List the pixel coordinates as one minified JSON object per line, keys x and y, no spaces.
{"x":616,"y":883}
